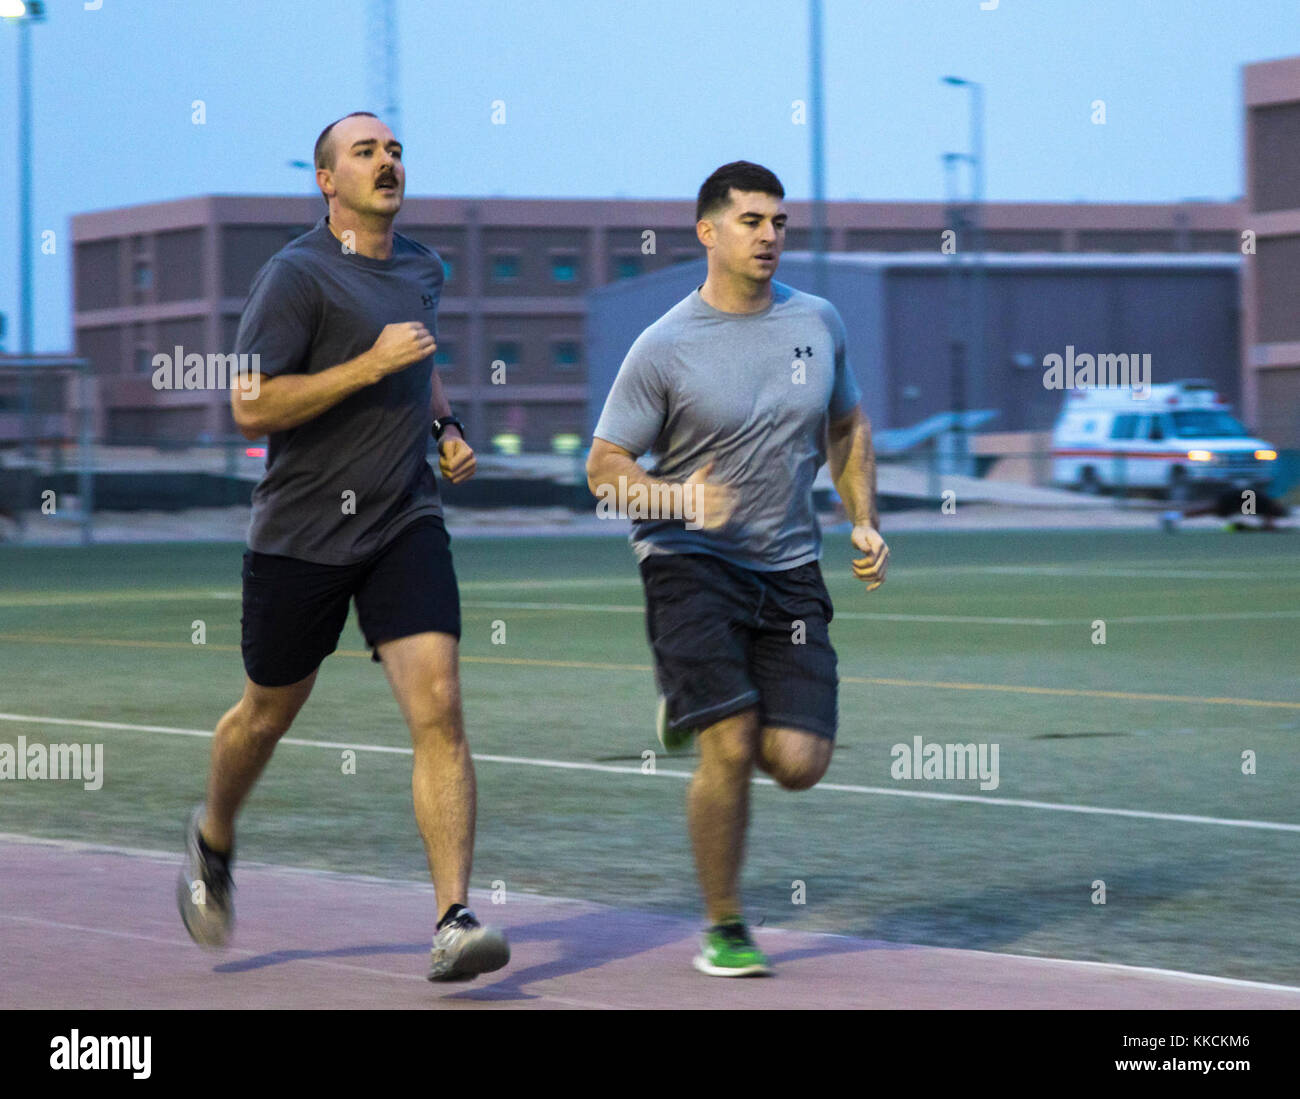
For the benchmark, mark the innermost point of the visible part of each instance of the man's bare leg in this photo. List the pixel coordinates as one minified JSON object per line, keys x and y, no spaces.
{"x":424,"y":671}
{"x":795,"y":758}
{"x":245,"y":739}
{"x":717,"y":809}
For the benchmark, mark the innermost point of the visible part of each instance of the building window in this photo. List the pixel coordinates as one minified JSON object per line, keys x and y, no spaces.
{"x":564,"y":267}
{"x":142,"y":277}
{"x":144,"y":360}
{"x":448,"y":267}
{"x":445,"y":356}
{"x":566,"y":355}
{"x":507,"y":351}
{"x":505,"y":267}
{"x":627,"y":266}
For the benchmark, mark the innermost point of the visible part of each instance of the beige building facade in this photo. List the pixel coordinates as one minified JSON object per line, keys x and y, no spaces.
{"x":151,"y":278}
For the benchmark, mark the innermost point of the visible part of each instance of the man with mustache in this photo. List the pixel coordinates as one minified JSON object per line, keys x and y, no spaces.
{"x":340,"y":323}
{"x":740,"y":392}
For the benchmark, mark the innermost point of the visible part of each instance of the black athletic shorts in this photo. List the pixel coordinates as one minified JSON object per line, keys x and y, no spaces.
{"x":726,"y":638}
{"x":294,"y":610}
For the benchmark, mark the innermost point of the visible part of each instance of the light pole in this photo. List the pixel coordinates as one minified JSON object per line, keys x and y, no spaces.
{"x":24,"y":14}
{"x":974,"y":379}
{"x":818,"y":148}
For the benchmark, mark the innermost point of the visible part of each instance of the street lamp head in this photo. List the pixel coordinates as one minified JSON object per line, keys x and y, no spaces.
{"x":33,"y":10}
{"x":954,"y":80}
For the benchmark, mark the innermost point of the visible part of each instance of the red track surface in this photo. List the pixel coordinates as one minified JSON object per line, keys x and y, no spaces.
{"x":92,"y":927}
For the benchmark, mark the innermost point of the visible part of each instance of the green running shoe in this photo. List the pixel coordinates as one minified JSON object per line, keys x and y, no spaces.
{"x":673,"y":740}
{"x":728,"y":951}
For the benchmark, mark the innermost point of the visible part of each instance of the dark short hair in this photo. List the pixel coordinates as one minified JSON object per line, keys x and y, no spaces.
{"x":323,"y":155}
{"x":715,"y":192}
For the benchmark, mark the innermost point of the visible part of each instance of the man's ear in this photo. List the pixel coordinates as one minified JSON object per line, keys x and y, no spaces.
{"x":706,"y":232}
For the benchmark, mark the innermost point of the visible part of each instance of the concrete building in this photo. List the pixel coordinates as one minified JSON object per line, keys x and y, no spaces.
{"x":1271,"y":284}
{"x":1181,"y":310}
{"x":152,"y":277}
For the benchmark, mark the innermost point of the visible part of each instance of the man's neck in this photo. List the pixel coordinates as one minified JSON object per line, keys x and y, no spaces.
{"x":370,"y":236}
{"x":730,"y":295}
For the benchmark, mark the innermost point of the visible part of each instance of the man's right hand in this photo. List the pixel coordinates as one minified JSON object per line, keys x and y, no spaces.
{"x":712,"y":503}
{"x":400,"y":345}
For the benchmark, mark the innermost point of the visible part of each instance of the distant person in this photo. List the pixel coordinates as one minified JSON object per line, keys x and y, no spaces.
{"x":740,"y":392}
{"x":1231,"y":504}
{"x":348,"y":508}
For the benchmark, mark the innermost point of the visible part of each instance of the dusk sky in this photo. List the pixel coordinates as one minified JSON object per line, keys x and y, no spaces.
{"x":626,"y":98}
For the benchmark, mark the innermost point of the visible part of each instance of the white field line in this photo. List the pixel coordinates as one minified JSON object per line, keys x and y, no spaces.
{"x":571,"y":765}
{"x":369,"y":879}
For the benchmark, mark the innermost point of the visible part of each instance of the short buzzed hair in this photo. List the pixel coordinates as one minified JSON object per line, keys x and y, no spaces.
{"x":324,"y":152}
{"x":715,"y":192}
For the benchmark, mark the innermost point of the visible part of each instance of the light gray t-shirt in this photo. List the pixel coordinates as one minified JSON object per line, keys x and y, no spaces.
{"x":311,"y":307}
{"x":753,"y":392}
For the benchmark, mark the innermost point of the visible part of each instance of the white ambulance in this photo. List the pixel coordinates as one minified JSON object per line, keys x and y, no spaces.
{"x":1180,"y":440}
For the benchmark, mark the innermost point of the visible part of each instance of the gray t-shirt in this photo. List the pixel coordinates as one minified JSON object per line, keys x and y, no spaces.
{"x":342,"y":485}
{"x":753,"y":392}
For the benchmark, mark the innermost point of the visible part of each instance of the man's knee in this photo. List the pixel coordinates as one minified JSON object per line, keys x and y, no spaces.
{"x":437,"y":717}
{"x":797,"y":760}
{"x":264,"y":724}
{"x":265,"y":713}
{"x":730,"y":744}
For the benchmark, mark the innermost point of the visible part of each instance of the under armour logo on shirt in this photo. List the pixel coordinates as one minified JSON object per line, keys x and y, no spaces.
{"x":426,"y":300}
{"x":800,"y":352}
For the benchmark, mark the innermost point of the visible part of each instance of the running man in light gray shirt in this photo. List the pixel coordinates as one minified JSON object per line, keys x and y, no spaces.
{"x":739,"y":393}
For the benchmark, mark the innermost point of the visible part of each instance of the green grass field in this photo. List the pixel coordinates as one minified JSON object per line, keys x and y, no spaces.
{"x":1199,"y":665}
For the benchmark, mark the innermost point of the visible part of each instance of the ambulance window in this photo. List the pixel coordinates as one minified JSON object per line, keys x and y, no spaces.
{"x":1157,"y":429}
{"x":1124,"y":427}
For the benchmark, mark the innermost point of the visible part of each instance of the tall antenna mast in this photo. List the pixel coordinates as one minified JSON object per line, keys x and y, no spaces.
{"x":385,"y":77}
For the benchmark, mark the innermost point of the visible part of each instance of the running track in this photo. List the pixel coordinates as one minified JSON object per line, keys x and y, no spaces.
{"x":90,"y":926}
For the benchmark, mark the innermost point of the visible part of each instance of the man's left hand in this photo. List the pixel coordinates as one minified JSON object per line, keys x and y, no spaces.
{"x":870,"y":567}
{"x":456,"y":457}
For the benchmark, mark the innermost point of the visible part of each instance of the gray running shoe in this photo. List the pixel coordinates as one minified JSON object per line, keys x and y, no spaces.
{"x":464,"y":948}
{"x":203,"y":891}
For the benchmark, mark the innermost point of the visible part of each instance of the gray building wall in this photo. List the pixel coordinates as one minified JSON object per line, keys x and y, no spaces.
{"x":1183,"y":311}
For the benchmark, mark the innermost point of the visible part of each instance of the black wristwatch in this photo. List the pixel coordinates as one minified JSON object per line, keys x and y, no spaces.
{"x":439,"y":426}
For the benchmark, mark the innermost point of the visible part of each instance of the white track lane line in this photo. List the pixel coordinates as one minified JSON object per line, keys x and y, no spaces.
{"x":569,"y":765}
